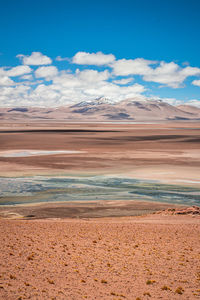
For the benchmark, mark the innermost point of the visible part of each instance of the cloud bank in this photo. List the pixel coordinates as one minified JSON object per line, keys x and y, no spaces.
{"x":38,"y":81}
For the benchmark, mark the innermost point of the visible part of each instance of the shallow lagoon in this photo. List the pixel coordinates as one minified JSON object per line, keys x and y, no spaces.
{"x":24,"y":190}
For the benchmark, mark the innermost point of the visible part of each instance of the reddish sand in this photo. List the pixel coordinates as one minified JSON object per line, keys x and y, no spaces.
{"x":125,"y":258}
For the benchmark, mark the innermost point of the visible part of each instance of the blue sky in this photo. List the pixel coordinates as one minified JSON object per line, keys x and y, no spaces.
{"x":153,"y":45}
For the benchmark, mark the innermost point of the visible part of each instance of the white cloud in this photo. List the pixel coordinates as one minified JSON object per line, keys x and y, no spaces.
{"x":97,"y":59}
{"x":59,"y":58}
{"x":45,"y":93}
{"x":196,"y":82}
{"x":89,"y":84}
{"x":170,"y":74}
{"x":81,"y":79}
{"x":138,"y":66}
{"x":190,"y":71}
{"x":165,"y":73}
{"x":92,"y":76}
{"x":28,"y":82}
{"x":115,"y":92}
{"x":6,"y":81}
{"x":46,"y":72}
{"x":14,"y":96}
{"x":123,"y":81}
{"x":27,"y":77}
{"x":15,"y":71}
{"x":18,"y":71}
{"x":35,"y":59}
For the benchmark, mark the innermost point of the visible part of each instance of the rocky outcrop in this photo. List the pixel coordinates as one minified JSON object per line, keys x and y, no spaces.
{"x":193,"y":210}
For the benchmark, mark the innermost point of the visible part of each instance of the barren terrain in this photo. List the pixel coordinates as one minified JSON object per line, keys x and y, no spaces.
{"x":166,"y":151}
{"x":132,"y":258}
{"x":89,"y":250}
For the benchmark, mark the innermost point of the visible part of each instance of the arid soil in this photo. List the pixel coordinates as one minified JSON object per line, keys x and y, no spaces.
{"x":152,"y":257}
{"x":168,"y":152}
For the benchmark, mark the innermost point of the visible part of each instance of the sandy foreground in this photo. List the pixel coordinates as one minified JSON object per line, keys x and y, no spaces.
{"x":147,"y":257}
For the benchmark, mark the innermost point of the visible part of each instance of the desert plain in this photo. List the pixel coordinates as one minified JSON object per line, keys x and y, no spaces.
{"x":101,"y":249}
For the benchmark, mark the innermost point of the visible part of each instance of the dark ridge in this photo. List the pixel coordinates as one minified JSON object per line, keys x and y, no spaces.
{"x":192,"y":140}
{"x":87,"y":110}
{"x":55,"y":130}
{"x":144,"y":108}
{"x":81,"y":110}
{"x":148,"y":138}
{"x":154,"y":105}
{"x":118,"y":116}
{"x":139,"y":105}
{"x":19,"y":109}
{"x":178,"y":118}
{"x":37,"y":117}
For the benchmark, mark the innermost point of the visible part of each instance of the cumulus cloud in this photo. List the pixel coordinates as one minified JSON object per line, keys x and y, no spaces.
{"x":170,"y":74}
{"x":46,"y":72}
{"x":27,"y":77}
{"x":6,"y":73}
{"x":45,"y":93}
{"x":59,"y":58}
{"x":138,"y":66}
{"x":89,"y":84}
{"x":15,"y":71}
{"x":116,"y":92}
{"x":35,"y":59}
{"x":196,"y":82}
{"x":123,"y":81}
{"x":97,"y":59}
{"x":81,"y":79}
{"x":14,"y":96}
{"x":18,"y":71}
{"x":6,"y":81}
{"x":92,"y":75}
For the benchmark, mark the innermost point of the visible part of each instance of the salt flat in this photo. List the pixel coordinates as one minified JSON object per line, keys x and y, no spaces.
{"x":26,"y":153}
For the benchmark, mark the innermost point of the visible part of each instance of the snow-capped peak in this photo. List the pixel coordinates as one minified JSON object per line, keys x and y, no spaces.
{"x":103,"y":100}
{"x":97,"y":101}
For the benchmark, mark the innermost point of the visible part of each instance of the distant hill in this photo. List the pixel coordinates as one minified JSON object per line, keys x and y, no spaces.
{"x":190,"y":109}
{"x":103,"y":109}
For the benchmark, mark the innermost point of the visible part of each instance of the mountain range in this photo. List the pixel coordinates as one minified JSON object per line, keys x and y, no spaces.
{"x":103,"y":109}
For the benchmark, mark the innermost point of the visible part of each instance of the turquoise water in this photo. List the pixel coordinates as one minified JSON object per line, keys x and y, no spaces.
{"x":51,"y":189}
